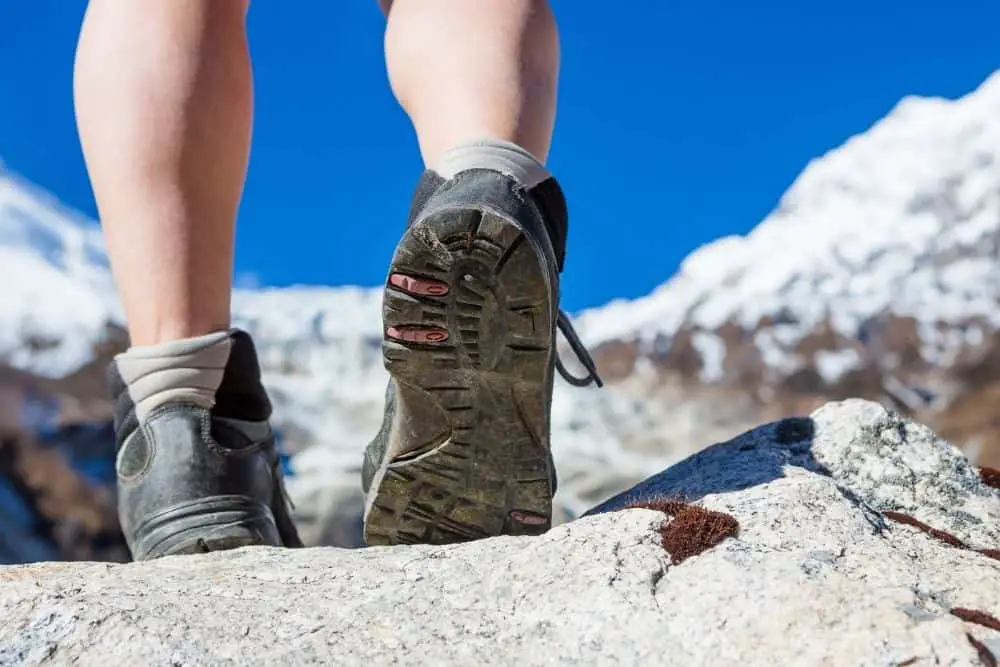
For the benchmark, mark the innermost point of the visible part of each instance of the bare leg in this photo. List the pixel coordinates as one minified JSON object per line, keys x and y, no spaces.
{"x":163,"y":97}
{"x":471,"y":70}
{"x":164,"y":107}
{"x":470,"y":316}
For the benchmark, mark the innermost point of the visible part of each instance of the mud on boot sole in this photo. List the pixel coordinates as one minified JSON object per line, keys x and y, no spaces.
{"x":469,"y":329}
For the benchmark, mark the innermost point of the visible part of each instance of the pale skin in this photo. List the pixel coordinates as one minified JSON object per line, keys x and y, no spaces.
{"x":164,"y":103}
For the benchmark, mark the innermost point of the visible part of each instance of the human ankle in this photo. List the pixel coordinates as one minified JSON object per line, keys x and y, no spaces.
{"x":188,"y":370}
{"x":490,"y":153}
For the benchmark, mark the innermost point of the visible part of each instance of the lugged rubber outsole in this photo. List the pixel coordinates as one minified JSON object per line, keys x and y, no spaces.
{"x":469,"y":327}
{"x":216,"y":523}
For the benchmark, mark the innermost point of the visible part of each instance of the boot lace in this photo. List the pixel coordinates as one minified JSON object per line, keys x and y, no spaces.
{"x":566,"y":327}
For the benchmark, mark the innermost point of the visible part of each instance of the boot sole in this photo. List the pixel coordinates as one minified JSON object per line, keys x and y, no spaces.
{"x":217,"y":523}
{"x":469,"y":327}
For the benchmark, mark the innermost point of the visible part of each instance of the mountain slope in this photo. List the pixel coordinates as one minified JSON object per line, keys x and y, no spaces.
{"x":878,"y":275}
{"x":57,"y":297}
{"x":902,"y":219}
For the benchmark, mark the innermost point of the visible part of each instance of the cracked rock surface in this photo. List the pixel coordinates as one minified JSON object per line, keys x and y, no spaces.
{"x":817,"y":575}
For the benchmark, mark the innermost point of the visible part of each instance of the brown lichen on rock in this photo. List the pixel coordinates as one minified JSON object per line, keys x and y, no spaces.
{"x":696,"y":530}
{"x":985,"y":654}
{"x":693,"y":529}
{"x":977,"y":617}
{"x":947,"y":538}
{"x":990,"y":477}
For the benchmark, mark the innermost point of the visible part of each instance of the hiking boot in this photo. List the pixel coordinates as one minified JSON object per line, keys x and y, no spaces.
{"x":193,"y":479}
{"x":470,"y":315}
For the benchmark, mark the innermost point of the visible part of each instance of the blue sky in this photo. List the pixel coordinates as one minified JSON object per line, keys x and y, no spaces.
{"x":678,"y":122}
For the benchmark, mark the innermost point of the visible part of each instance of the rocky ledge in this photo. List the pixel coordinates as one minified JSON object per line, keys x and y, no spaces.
{"x":849,"y":537}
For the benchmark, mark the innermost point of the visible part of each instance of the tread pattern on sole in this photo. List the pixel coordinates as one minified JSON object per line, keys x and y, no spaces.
{"x":470,"y":405}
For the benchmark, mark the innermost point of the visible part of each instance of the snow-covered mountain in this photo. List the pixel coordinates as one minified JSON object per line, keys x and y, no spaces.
{"x":878,"y":275}
{"x":56,"y":294}
{"x":902,"y":219}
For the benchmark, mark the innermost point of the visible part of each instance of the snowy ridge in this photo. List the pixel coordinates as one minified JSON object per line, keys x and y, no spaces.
{"x":320,"y":351}
{"x":902,"y":219}
{"x":56,"y":285}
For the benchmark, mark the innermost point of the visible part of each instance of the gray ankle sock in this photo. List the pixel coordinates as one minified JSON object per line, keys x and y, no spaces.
{"x":503,"y":156}
{"x":181,"y":371}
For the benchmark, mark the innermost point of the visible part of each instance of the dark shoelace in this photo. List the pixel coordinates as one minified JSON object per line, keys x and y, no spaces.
{"x":581,"y":353}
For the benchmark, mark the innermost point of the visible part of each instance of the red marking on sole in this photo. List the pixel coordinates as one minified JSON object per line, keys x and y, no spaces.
{"x":417,"y":334}
{"x":421,"y":286}
{"x":530,"y":519}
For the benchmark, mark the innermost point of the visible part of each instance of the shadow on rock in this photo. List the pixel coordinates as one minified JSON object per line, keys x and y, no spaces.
{"x":752,"y":459}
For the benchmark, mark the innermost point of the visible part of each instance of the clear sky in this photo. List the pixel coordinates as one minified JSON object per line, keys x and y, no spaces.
{"x":679,"y":122}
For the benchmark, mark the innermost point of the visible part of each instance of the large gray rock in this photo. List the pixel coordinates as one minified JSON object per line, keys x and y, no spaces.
{"x":817,"y":575}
